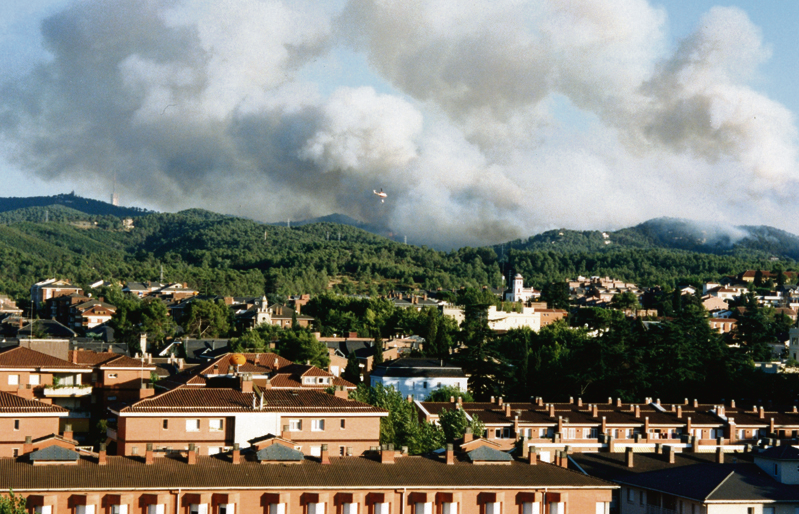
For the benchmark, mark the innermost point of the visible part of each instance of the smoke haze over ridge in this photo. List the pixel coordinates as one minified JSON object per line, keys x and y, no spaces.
{"x":484,"y":121}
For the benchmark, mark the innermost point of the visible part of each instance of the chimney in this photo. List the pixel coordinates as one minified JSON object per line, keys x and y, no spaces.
{"x":67,"y":432}
{"x":148,"y":454}
{"x":719,"y":455}
{"x":688,"y":425}
{"x":610,"y":400}
{"x":285,"y":434}
{"x":410,"y":398}
{"x":146,"y":391}
{"x":646,"y":427}
{"x":325,"y":457}
{"x":540,"y":402}
{"x":670,"y":451}
{"x":468,"y":436}
{"x":604,"y":427}
{"x":637,"y":411}
{"x":732,"y":404}
{"x":192,"y":454}
{"x":564,"y":459}
{"x":387,"y":454}
{"x":628,"y":457}
{"x":657,"y":402}
{"x":493,"y":399}
{"x":507,"y":410}
{"x":571,"y":399}
{"x":579,"y":402}
{"x":686,"y":401}
{"x":560,"y":424}
{"x":451,"y":399}
{"x":771,"y":426}
{"x":180,"y":363}
{"x":460,"y":400}
{"x":659,"y":448}
{"x":276,"y":364}
{"x":618,"y":402}
{"x":246,"y":384}
{"x":532,"y":457}
{"x":499,"y":402}
{"x":696,"y":403}
{"x":75,"y":356}
{"x":102,"y":459}
{"x":679,"y":411}
{"x":731,"y":427}
{"x":594,"y":411}
{"x":762,"y":413}
{"x":28,"y":446}
{"x":450,"y":454}
{"x":236,"y":454}
{"x":551,"y":410}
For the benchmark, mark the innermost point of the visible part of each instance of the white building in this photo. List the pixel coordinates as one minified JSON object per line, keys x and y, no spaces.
{"x":501,"y":320}
{"x":519,"y":293}
{"x":418,"y":377}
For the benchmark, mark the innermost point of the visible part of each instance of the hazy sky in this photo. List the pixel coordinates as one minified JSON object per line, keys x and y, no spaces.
{"x":484,"y":121}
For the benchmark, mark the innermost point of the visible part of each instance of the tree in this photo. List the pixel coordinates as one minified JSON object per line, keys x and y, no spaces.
{"x":625,"y":300}
{"x":454,"y":424}
{"x":301,"y":346}
{"x":12,"y":504}
{"x":206,"y":319}
{"x":556,"y":295}
{"x":352,"y":372}
{"x":479,"y":358}
{"x":250,"y":340}
{"x":444,"y":393}
{"x":378,"y":343}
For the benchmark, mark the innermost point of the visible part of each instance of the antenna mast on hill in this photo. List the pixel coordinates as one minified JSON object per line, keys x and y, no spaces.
{"x":46,"y":215}
{"x":162,"y":274}
{"x":288,"y":223}
{"x":114,"y":195}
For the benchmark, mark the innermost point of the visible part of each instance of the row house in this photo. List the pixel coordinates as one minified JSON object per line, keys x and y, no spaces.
{"x":115,"y":378}
{"x":615,"y":425}
{"x":31,"y":374}
{"x":214,"y":419}
{"x":59,"y":307}
{"x":26,"y":421}
{"x":723,"y":325}
{"x":265,"y":370}
{"x":279,"y":480}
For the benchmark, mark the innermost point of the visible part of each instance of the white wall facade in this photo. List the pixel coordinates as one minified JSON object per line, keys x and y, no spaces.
{"x":419,"y":387}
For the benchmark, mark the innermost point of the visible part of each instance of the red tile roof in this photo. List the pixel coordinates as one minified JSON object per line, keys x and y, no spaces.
{"x":217,"y":473}
{"x":13,"y":404}
{"x":206,"y":399}
{"x":21,"y":357}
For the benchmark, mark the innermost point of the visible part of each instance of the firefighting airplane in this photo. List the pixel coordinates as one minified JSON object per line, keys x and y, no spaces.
{"x":381,"y":194}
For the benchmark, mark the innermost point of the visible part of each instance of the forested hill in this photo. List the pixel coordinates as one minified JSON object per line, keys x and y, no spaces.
{"x":669,"y":233}
{"x":225,"y":255}
{"x":33,"y":206}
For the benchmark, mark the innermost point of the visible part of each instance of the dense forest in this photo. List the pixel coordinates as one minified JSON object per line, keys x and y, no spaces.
{"x":224,"y":255}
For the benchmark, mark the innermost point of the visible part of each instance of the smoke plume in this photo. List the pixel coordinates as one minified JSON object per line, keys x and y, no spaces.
{"x":484,"y":121}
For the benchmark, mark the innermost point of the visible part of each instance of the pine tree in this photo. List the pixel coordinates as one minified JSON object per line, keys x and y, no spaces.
{"x":352,"y":372}
{"x":378,"y":350}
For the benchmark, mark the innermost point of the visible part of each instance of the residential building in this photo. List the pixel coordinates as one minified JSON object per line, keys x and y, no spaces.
{"x":214,"y":419}
{"x":502,"y":321}
{"x":280,"y":480}
{"x":90,"y":314}
{"x":23,"y":418}
{"x":51,"y":288}
{"x":715,"y":482}
{"x":418,"y":377}
{"x":519,"y":293}
{"x":115,"y":378}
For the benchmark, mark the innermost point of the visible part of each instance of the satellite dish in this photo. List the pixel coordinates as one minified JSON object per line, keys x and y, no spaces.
{"x":238,"y":359}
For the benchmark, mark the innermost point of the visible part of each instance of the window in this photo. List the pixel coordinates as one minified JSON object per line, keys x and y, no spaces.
{"x":213,"y":450}
{"x":13,"y":380}
{"x":119,"y":509}
{"x":295,"y":425}
{"x":316,"y":508}
{"x":215,"y":425}
{"x":425,"y":385}
{"x":45,"y":509}
{"x":631,"y":495}
{"x":33,"y":380}
{"x":165,"y":424}
{"x":155,"y":509}
{"x":111,"y":398}
{"x":277,"y":508}
{"x":316,"y":451}
{"x":557,"y":508}
{"x":16,"y":424}
{"x":340,"y":451}
{"x":449,"y":508}
{"x":349,"y":508}
{"x":84,"y":509}
{"x":776,"y":470}
{"x":198,"y":508}
{"x":134,"y":450}
{"x":15,"y":452}
{"x":642,"y":497}
{"x":601,"y":508}
{"x":317,"y":425}
{"x":192,"y":425}
{"x":750,"y":510}
{"x":423,"y":508}
{"x":343,"y":423}
{"x":768,"y":510}
{"x":228,"y":508}
{"x":112,"y":375}
{"x":493,"y":508}
{"x":531,"y":508}
{"x":380,"y":508}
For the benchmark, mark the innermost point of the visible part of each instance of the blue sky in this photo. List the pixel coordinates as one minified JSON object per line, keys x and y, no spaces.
{"x":474,"y":116}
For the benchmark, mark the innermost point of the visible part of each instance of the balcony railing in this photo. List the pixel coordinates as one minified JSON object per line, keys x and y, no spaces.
{"x":68,"y":390}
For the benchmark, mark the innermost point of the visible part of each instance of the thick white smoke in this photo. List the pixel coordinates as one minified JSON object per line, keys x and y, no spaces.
{"x":493,"y":120}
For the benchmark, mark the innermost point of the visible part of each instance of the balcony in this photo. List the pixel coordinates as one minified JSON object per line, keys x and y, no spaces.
{"x":67,"y":391}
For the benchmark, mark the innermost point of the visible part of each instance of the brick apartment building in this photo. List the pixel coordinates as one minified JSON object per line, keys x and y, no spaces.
{"x":615,"y":426}
{"x":22,"y":418}
{"x":279,"y":480}
{"x":114,"y":377}
{"x":214,"y":419}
